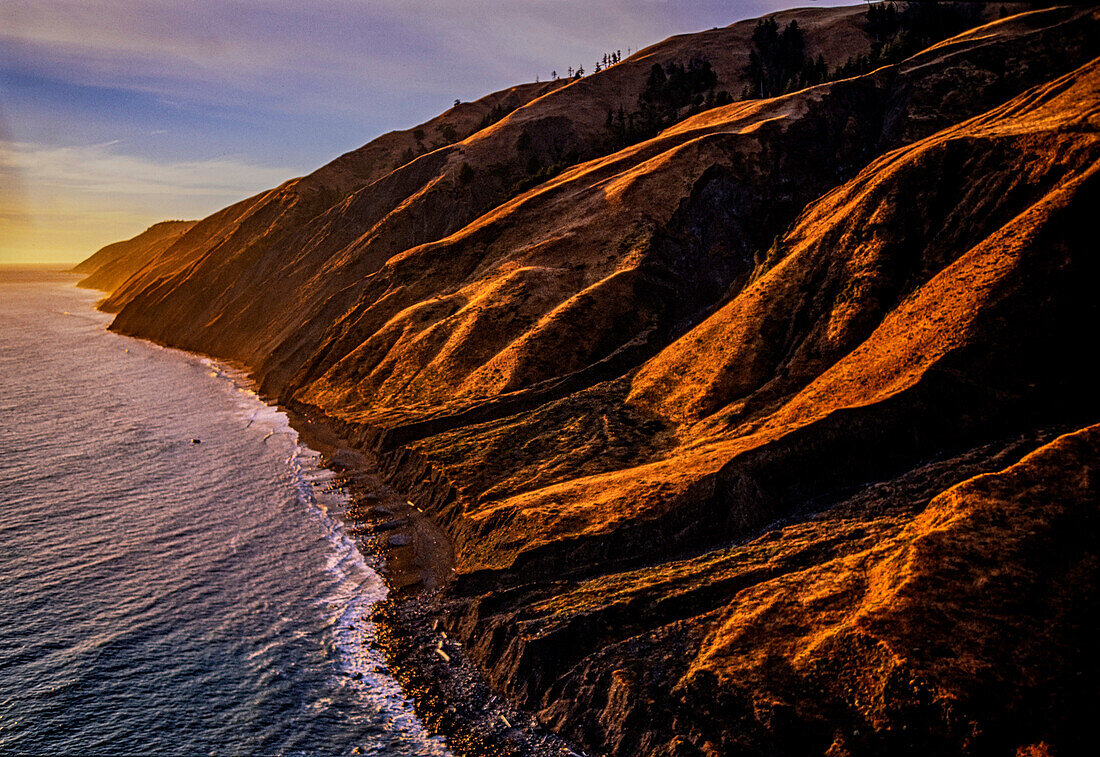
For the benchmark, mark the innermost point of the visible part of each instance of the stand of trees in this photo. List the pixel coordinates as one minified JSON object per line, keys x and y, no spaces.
{"x":497,"y":112}
{"x":609,"y":60}
{"x":672,"y":92}
{"x":899,"y":30}
{"x":778,"y":62}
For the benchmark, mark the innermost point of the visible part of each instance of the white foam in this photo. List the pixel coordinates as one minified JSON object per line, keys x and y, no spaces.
{"x":356,"y":587}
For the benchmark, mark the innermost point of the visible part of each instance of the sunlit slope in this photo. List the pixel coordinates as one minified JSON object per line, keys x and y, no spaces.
{"x":899,"y":326}
{"x":946,"y":611}
{"x":273,"y":230}
{"x":908,"y":349}
{"x":110,"y":266}
{"x":312,"y":247}
{"x":701,"y":414}
{"x":588,"y":271}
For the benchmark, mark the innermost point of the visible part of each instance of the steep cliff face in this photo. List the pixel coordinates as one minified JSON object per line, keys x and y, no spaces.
{"x":313,"y":244}
{"x":112,"y":265}
{"x":770,"y":433}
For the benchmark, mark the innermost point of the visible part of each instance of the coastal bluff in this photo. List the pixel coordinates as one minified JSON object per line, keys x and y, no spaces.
{"x":769,"y":430}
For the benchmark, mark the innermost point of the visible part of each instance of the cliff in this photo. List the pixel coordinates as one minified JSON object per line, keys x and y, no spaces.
{"x":110,"y":266}
{"x":770,"y":433}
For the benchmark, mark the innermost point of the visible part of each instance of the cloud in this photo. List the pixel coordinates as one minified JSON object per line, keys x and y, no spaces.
{"x":103,"y":169}
{"x":78,"y":198}
{"x":303,"y":54}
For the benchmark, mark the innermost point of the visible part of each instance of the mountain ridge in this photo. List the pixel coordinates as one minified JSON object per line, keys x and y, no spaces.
{"x":720,"y":423}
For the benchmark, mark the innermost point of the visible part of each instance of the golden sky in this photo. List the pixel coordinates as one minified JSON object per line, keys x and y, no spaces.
{"x":60,"y":204}
{"x":116,"y":114}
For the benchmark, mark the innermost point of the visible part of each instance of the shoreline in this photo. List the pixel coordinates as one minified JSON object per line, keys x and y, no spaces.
{"x":449,"y":693}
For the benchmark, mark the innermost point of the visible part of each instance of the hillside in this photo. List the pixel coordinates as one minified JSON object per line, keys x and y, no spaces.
{"x":768,"y":433}
{"x":281,"y":219}
{"x":315,"y":252}
{"x":110,"y":266}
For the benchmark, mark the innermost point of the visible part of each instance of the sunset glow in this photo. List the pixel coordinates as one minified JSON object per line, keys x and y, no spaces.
{"x":551,"y":378}
{"x":115,"y":115}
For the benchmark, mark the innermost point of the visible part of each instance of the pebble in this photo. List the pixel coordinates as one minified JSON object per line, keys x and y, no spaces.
{"x":390,"y":525}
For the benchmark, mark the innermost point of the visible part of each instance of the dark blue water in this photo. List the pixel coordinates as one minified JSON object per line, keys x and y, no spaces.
{"x":164,"y":597}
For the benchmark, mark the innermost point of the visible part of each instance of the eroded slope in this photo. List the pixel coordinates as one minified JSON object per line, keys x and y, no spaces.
{"x":313,"y":246}
{"x":897,"y":620}
{"x":110,"y":266}
{"x":734,"y":430}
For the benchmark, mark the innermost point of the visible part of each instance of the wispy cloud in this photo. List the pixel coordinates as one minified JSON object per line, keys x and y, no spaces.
{"x":105,"y":169}
{"x":272,"y":82}
{"x":77,"y":198}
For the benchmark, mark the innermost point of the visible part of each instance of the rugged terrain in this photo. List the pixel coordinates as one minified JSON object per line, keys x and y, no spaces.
{"x":772,"y":433}
{"x":111,"y":266}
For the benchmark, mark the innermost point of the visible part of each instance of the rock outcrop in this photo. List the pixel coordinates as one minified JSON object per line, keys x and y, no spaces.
{"x":773,"y":433}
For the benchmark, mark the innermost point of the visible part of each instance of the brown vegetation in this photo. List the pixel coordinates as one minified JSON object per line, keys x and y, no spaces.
{"x":769,"y":434}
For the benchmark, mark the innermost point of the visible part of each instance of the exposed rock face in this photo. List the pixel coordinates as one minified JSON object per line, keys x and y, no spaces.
{"x":771,"y":434}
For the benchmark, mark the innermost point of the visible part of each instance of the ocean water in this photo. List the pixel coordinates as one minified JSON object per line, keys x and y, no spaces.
{"x":159,"y":596}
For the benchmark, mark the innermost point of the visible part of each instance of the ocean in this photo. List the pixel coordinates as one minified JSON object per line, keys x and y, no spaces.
{"x":162,"y":596}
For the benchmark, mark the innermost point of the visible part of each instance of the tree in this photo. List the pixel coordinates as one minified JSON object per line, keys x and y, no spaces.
{"x":418,"y":135}
{"x":672,"y":87}
{"x":883,"y":21}
{"x":672,"y":91}
{"x":465,"y":174}
{"x":896,"y":33}
{"x":496,"y":113}
{"x":778,"y":63}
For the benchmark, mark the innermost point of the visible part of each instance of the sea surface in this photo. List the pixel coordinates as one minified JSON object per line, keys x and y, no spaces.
{"x":160,"y":596}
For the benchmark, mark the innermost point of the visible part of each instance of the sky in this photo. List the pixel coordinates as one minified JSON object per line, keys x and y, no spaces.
{"x":116,"y":114}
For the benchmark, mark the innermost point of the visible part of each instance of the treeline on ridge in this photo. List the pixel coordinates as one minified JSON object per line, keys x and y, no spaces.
{"x":779,"y":64}
{"x":678,"y":89}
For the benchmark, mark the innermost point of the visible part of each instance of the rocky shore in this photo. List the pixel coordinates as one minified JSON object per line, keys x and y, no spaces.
{"x":451,"y":694}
